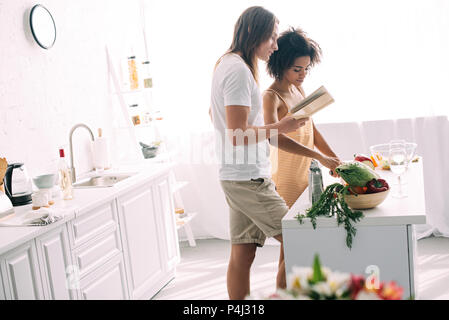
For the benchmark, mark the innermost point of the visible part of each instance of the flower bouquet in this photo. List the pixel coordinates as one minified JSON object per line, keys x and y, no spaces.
{"x":320,"y":283}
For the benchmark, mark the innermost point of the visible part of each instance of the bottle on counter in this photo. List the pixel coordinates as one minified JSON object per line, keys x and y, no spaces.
{"x":315,"y":182}
{"x":65,"y":180}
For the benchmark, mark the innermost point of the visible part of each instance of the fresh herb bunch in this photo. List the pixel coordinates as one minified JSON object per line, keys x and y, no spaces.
{"x":332,"y":202}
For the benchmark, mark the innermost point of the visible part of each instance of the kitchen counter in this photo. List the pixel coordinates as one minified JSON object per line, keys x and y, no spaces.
{"x":83,"y":200}
{"x":385,"y":240}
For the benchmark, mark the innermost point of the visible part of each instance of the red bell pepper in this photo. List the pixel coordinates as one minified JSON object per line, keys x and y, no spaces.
{"x":377,"y":185}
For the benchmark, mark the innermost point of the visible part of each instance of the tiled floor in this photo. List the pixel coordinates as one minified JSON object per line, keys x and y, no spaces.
{"x":201,"y":275}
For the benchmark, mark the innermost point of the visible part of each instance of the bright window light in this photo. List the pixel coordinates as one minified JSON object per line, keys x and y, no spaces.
{"x":382,"y":59}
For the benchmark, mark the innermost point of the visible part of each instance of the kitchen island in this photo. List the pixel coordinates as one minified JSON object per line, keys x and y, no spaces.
{"x":385,"y":243}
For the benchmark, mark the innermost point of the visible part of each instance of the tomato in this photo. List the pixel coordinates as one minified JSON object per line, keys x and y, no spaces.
{"x":359,"y":190}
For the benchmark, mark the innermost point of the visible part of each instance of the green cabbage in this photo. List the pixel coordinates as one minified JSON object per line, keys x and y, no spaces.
{"x":356,"y":174}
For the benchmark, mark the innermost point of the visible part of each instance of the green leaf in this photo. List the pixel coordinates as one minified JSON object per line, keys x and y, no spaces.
{"x":332,"y":203}
{"x":317,"y":274}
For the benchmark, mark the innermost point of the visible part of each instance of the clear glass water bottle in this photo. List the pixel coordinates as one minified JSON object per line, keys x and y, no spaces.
{"x":65,"y":180}
{"x":315,"y":182}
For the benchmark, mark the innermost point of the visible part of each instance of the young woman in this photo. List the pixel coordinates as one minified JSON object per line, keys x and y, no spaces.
{"x":256,"y":209}
{"x":290,"y":66}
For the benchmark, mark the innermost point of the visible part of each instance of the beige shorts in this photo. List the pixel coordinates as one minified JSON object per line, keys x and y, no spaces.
{"x":255,"y":210}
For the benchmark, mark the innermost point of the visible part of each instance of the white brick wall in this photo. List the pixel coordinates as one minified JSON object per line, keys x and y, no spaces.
{"x":43,"y":93}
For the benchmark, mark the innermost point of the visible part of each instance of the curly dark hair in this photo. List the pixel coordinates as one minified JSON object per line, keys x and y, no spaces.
{"x":292,"y":44}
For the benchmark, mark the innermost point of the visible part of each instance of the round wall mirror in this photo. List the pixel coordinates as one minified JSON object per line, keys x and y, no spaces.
{"x":42,"y":26}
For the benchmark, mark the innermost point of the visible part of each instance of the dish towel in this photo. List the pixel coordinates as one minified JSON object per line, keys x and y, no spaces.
{"x":40,"y":217}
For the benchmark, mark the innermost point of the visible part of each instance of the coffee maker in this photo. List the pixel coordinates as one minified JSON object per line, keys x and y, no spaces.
{"x":18,"y":185}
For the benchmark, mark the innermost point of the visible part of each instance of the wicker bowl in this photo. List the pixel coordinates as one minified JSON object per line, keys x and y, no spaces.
{"x":366,"y":201}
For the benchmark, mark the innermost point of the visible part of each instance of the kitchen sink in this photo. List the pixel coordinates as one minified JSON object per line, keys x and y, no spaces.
{"x":101,"y":181}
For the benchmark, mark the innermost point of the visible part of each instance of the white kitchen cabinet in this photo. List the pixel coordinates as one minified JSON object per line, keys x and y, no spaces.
{"x":150,"y":243}
{"x":385,"y":239}
{"x":20,"y":270}
{"x":98,"y":271}
{"x":141,"y":240}
{"x":106,"y":283}
{"x":169,"y":240}
{"x":96,"y":252}
{"x":92,"y":223}
{"x":55,"y":262}
{"x":119,"y":246}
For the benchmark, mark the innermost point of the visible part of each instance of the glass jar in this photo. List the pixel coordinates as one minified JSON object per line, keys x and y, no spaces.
{"x":136,"y":120}
{"x":147,"y":79}
{"x":133,"y":77}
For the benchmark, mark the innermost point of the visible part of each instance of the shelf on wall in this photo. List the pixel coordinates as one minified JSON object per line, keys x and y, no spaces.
{"x":133,"y":91}
{"x":136,"y":126}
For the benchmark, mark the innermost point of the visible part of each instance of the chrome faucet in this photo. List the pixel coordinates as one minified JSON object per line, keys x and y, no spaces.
{"x":72,"y":167}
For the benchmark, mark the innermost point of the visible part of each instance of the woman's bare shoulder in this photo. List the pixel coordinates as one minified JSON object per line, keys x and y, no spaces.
{"x":270,"y":96}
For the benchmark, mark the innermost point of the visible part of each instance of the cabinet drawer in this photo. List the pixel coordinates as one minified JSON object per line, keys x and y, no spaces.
{"x":106,"y":283}
{"x":93,"y":223}
{"x":96,"y":252}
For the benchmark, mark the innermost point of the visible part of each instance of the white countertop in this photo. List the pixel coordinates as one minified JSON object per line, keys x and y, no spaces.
{"x":393,"y":211}
{"x":83,"y":201}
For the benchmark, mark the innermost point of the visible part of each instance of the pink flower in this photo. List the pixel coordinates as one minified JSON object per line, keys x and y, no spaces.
{"x":390,"y":291}
{"x":357,"y":283}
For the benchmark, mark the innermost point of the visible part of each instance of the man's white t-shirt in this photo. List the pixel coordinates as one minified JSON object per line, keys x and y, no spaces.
{"x":234,"y":84}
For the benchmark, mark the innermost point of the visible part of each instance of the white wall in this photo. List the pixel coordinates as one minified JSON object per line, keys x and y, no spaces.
{"x":43,"y":93}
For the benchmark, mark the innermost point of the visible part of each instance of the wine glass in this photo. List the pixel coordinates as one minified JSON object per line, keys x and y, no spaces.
{"x":398,"y":143}
{"x":410,"y":149}
{"x":398,"y":159}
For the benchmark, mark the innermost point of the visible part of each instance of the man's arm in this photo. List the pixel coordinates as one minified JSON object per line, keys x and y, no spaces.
{"x":288,"y":144}
{"x":242,"y":133}
{"x":285,"y":143}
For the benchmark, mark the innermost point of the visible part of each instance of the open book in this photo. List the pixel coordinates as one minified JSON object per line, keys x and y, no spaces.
{"x":316,"y":101}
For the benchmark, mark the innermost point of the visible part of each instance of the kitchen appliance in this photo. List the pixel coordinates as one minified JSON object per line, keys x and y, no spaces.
{"x":18,"y":185}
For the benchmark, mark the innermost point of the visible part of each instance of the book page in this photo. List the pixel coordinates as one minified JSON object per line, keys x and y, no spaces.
{"x":320,"y":100}
{"x":314,"y":95}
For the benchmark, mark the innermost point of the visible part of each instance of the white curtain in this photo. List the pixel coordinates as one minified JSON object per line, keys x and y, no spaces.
{"x":432,"y":136}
